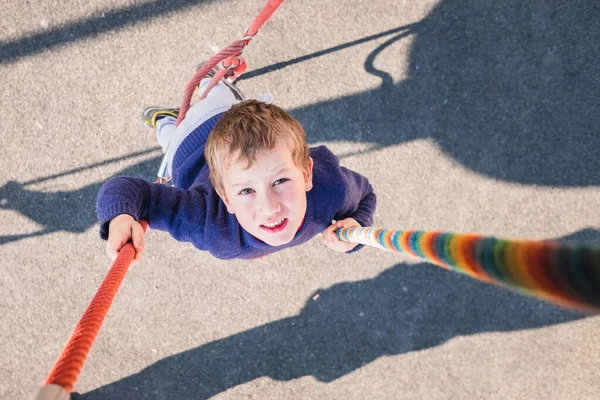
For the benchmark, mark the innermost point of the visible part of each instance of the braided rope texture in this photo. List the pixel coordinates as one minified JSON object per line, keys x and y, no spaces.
{"x":69,"y":363}
{"x":566,"y":275}
{"x":228,"y":55}
{"x":264,"y":15}
{"x":233,"y":50}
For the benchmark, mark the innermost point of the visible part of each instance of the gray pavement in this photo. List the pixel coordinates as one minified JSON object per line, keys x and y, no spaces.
{"x":472,"y":116}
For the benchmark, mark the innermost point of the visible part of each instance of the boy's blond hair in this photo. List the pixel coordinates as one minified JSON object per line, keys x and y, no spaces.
{"x":249,"y":128}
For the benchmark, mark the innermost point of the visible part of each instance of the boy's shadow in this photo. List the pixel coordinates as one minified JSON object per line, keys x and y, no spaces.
{"x":406,"y":308}
{"x":508,"y":88}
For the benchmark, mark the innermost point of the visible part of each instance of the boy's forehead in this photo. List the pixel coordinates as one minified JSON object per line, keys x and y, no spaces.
{"x":279,"y":152}
{"x":277,"y":158}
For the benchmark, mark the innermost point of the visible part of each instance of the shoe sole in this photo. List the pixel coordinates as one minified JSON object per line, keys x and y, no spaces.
{"x":150,"y":113}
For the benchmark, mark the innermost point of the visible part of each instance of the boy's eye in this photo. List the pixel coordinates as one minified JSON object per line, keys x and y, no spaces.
{"x":245,"y":191}
{"x":280,"y":181}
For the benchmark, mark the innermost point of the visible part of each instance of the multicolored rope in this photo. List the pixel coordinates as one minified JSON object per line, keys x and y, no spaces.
{"x":560,"y":273}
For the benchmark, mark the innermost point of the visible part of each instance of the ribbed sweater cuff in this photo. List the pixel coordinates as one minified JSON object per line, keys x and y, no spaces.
{"x":106,"y":215}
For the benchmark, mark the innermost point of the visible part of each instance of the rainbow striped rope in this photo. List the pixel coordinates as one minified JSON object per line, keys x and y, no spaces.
{"x":563,"y":274}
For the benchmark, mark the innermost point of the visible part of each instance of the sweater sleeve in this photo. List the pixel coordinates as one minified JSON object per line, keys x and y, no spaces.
{"x":359,"y":201}
{"x":120,"y":196}
{"x":180,"y":212}
{"x":340,"y":192}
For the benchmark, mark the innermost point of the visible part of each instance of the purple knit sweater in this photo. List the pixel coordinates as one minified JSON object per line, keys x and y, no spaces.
{"x":191,"y":211}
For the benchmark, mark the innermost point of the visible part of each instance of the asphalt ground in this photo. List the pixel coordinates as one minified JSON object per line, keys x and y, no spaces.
{"x":471,"y":116}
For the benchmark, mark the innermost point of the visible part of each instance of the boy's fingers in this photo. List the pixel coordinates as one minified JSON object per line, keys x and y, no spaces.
{"x":134,"y":232}
{"x":111,"y":251}
{"x":137,"y":239}
{"x":334,"y":231}
{"x":114,"y":253}
{"x":332,"y":235}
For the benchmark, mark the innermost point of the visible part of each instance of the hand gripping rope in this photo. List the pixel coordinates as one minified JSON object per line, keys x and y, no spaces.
{"x":566,"y":275}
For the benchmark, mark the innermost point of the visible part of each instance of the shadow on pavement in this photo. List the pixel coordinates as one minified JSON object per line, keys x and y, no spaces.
{"x":507,"y":88}
{"x":70,"y":211}
{"x":406,"y":308}
{"x":106,"y":21}
{"x":584,"y":237}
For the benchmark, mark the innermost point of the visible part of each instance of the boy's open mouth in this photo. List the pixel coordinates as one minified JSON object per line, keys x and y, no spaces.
{"x":275,"y":227}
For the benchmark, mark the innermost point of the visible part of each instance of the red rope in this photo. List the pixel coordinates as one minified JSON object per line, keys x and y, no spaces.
{"x":233,"y":49}
{"x":264,"y":15}
{"x":229,"y":58}
{"x":69,"y":363}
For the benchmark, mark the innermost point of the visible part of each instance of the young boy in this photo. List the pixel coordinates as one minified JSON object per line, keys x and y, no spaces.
{"x":245,"y":183}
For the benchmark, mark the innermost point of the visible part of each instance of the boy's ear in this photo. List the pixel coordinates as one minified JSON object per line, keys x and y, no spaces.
{"x":223,"y":197}
{"x":308,"y":184}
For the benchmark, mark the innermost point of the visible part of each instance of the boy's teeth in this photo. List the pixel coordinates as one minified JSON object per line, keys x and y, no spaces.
{"x":274,"y":224}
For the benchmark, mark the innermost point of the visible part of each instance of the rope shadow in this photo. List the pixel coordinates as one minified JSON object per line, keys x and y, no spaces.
{"x":11,"y":51}
{"x":281,"y":65}
{"x":5,"y":239}
{"x":404,"y":309}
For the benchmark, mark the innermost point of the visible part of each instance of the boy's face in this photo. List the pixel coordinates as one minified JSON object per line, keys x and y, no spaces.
{"x":269,"y":198}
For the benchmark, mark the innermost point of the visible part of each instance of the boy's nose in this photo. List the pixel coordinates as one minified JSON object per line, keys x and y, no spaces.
{"x":269,"y":206}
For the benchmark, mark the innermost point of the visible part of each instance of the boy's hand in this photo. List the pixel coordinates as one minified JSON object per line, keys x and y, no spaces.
{"x":330,"y":237}
{"x":121,"y":229}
